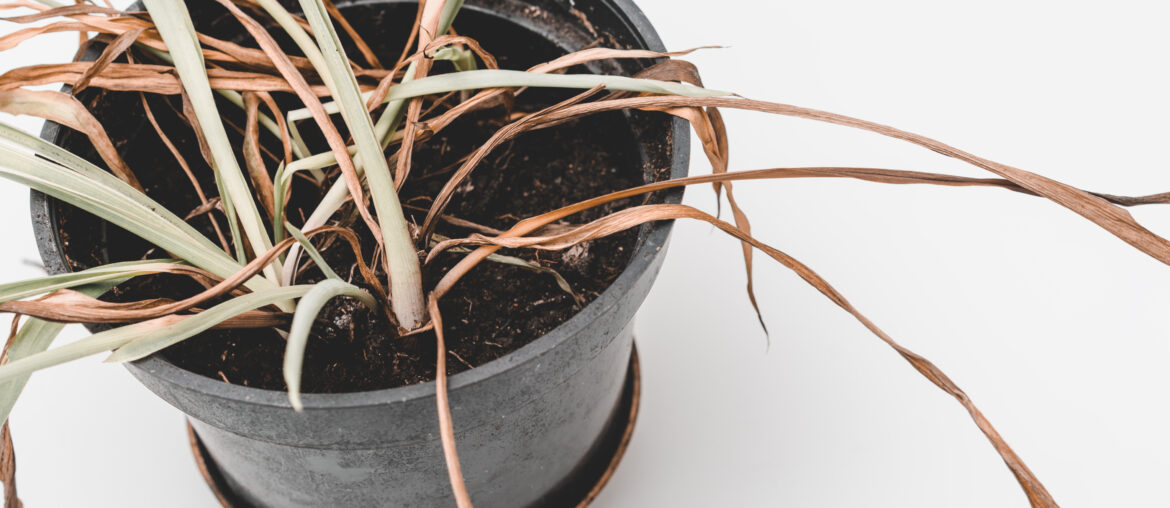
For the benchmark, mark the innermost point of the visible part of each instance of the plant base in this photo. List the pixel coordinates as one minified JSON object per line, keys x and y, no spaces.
{"x":578,"y":490}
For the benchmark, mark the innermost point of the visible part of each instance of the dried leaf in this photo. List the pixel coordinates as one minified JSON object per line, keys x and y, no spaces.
{"x":65,"y":11}
{"x":636,"y":216}
{"x":70,"y":306}
{"x":187,"y":171}
{"x":115,"y":49}
{"x":1035,"y":491}
{"x":8,"y":469}
{"x":1098,"y":210}
{"x":594,"y":54}
{"x":429,"y":26}
{"x":489,"y":61}
{"x":257,"y":172}
{"x":68,"y":111}
{"x":526,"y":264}
{"x":151,"y":78}
{"x":410,"y":39}
{"x":282,"y":127}
{"x":708,"y":126}
{"x":223,"y":52}
{"x":446,"y":427}
{"x":411,"y":134}
{"x":500,"y":136}
{"x":363,"y":48}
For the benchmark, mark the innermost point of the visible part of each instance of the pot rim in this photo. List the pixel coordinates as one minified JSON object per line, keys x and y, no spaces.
{"x":649,"y":246}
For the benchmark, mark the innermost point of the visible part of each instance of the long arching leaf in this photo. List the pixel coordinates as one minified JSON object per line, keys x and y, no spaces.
{"x":35,"y":336}
{"x":111,"y":272}
{"x":138,"y":215}
{"x":298,"y":334}
{"x":139,"y":340}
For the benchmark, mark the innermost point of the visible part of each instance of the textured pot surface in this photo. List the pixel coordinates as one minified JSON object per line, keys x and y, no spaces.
{"x":523,"y":423}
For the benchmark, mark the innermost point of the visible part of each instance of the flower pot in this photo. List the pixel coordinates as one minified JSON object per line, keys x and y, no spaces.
{"x":524,"y":423}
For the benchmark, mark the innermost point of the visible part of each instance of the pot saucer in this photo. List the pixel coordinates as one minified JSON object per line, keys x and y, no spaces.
{"x":578,"y":490}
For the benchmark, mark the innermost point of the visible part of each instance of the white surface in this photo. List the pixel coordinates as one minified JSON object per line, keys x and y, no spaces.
{"x":1055,"y":328}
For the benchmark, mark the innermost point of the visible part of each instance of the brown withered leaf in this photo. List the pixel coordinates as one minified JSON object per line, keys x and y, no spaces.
{"x":207,"y":207}
{"x":1037,"y":494}
{"x":489,"y":60}
{"x":166,"y":140}
{"x":541,"y":222}
{"x":500,"y":136}
{"x":115,"y":49}
{"x":101,"y":25}
{"x":428,"y":28}
{"x":635,"y":216}
{"x":355,"y":37}
{"x":1098,"y":210}
{"x":411,"y":136}
{"x":253,"y":160}
{"x":708,"y":126}
{"x":379,"y":94}
{"x":368,"y":274}
{"x":412,"y":37}
{"x":7,"y":450}
{"x":64,"y":11}
{"x":151,"y":78}
{"x":253,"y":319}
{"x":446,"y":427}
{"x":15,"y":38}
{"x":217,"y":50}
{"x":188,"y":114}
{"x":8,"y":468}
{"x":594,"y":54}
{"x":68,"y":111}
{"x":544,"y":224}
{"x":281,"y":125}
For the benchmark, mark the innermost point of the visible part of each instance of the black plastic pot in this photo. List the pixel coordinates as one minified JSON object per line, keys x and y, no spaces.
{"x":524,"y":423}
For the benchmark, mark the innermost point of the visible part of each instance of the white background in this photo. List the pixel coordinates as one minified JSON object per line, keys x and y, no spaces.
{"x":1055,"y":328}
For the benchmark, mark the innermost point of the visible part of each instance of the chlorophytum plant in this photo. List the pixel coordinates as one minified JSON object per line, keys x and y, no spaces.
{"x":371,"y":117}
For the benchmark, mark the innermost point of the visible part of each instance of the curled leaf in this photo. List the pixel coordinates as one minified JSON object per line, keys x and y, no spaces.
{"x":313,"y":253}
{"x":302,"y":323}
{"x":253,"y":161}
{"x":119,"y":45}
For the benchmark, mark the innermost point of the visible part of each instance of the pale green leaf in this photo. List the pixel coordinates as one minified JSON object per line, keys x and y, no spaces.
{"x":131,"y":211}
{"x":502,"y":78}
{"x":139,"y":340}
{"x":35,"y":336}
{"x":114,"y":271}
{"x":298,"y":334}
{"x":402,"y":259}
{"x":313,"y":252}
